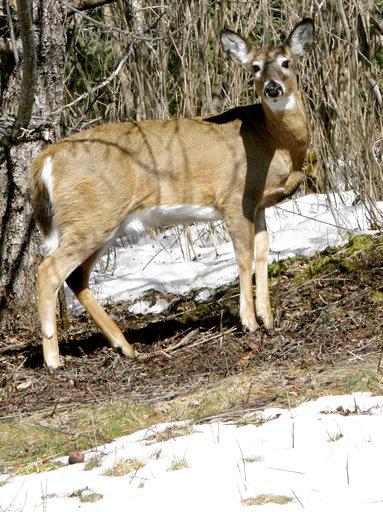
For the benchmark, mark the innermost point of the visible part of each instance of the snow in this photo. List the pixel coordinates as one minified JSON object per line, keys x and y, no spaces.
{"x":169,"y":264}
{"x":322,"y":455}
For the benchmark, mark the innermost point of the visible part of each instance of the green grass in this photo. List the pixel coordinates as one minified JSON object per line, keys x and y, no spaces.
{"x":30,"y":445}
{"x":364,"y":379}
{"x":27,"y":446}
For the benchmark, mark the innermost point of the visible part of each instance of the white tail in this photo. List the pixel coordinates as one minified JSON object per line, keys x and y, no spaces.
{"x":94,"y":186}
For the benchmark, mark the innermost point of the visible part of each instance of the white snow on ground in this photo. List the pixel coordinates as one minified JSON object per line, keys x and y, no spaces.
{"x":313,"y":455}
{"x":167,"y":264}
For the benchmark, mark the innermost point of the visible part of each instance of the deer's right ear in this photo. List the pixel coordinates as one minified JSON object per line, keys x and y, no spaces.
{"x":236,"y":46}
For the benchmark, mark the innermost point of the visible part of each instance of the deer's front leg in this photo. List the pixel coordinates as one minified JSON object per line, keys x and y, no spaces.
{"x":263,"y":307}
{"x":274,"y":196}
{"x":242,"y":234}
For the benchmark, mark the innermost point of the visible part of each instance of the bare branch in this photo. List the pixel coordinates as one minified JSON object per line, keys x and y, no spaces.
{"x":83,"y":5}
{"x":103,"y":84}
{"x":12,"y":32}
{"x":28,"y":82}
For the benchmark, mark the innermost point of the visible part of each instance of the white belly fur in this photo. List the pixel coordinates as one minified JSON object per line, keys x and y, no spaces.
{"x":137,"y":223}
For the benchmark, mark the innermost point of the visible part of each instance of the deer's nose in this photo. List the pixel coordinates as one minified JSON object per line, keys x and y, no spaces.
{"x":273,"y":89}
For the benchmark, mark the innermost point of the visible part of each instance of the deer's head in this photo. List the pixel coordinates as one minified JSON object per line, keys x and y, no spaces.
{"x":273,"y":67}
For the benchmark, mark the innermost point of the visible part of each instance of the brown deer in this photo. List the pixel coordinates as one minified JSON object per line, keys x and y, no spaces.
{"x":117,"y":179}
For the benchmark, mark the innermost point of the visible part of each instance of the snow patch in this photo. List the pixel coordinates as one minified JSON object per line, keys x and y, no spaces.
{"x":318,"y":457}
{"x":300,"y":227}
{"x":143,"y":307}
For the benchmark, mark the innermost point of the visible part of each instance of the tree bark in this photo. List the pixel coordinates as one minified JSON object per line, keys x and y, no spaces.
{"x":20,"y":249}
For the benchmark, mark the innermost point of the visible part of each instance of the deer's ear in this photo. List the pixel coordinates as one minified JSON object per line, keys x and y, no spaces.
{"x":302,"y":37}
{"x":238,"y":49}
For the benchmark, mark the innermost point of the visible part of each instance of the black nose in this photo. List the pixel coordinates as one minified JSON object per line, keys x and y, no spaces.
{"x":273,"y":89}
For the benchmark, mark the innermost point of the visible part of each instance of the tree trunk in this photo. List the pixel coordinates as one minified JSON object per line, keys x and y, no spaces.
{"x":20,"y":250}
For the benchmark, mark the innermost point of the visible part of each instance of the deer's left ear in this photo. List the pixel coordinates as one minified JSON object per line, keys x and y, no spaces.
{"x":238,"y":49}
{"x":302,"y":37}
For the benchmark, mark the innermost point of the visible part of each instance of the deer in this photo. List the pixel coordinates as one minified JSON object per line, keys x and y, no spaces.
{"x":120,"y":179}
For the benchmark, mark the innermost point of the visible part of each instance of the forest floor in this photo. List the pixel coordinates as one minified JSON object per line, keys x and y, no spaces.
{"x":328,"y":339}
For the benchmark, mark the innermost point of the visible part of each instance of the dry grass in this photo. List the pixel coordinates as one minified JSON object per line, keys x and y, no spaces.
{"x":335,"y":437}
{"x":254,"y":458}
{"x":123,"y":467}
{"x":86,"y":495}
{"x":168,"y":433}
{"x":178,"y":463}
{"x":265,"y":499}
{"x":92,"y":463}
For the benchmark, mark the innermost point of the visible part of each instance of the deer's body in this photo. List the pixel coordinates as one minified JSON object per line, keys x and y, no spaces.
{"x":119,"y":179}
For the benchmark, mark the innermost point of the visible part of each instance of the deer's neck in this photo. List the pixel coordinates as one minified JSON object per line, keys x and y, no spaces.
{"x":287,"y":123}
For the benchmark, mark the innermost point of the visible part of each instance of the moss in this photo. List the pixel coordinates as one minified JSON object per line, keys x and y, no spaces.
{"x":326,"y":264}
{"x":377,"y":297}
{"x":362,"y":243}
{"x":283,"y":267}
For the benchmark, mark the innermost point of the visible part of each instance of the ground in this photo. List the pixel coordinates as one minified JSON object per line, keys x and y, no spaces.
{"x":329,"y":319}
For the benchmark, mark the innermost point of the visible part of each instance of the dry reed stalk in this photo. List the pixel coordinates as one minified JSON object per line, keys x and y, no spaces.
{"x":178,"y":69}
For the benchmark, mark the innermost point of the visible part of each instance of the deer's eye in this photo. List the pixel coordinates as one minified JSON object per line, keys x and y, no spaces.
{"x":256,"y":68}
{"x":286,"y":64}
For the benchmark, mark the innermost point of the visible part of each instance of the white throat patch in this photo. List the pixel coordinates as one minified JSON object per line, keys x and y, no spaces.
{"x":287,"y":103}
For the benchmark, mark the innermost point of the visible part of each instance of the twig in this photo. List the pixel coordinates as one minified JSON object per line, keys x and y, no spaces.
{"x":28,"y":82}
{"x":314,"y":219}
{"x":101,"y":85}
{"x":287,"y":470}
{"x":83,"y":5}
{"x":380,"y":358}
{"x":12,"y":33}
{"x":296,"y":497}
{"x":183,"y":341}
{"x":347,"y":472}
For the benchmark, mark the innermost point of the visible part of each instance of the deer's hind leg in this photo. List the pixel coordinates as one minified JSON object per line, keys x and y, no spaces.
{"x":78,"y":282}
{"x":51,"y":274}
